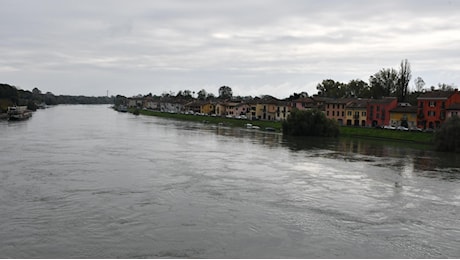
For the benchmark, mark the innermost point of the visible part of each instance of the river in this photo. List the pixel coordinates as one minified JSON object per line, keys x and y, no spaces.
{"x":84,"y":181}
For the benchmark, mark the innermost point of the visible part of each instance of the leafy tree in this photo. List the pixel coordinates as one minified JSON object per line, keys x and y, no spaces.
{"x":9,"y":92}
{"x":210,"y":96}
{"x":447,"y":138}
{"x":404,"y":77}
{"x":36,"y":91}
{"x":310,"y":123}
{"x":202,"y":94}
{"x":120,"y":100}
{"x":50,"y":99}
{"x":331,"y":88}
{"x":419,"y":84}
{"x":225,"y":92}
{"x":384,"y":83}
{"x":187,"y":94}
{"x":358,"y":88}
{"x":446,"y":87}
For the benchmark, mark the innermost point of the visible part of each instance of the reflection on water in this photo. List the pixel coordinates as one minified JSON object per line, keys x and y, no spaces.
{"x":399,"y":155}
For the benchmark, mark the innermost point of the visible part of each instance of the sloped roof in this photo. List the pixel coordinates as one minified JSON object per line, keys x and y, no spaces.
{"x":360,"y":103}
{"x":384,"y":100}
{"x":340,"y":100}
{"x":436,"y":94}
{"x":405,"y":109}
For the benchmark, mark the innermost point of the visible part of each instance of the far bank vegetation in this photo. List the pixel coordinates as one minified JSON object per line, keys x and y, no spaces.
{"x":310,"y":123}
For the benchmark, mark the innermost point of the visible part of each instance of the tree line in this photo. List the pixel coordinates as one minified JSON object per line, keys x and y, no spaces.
{"x":387,"y":82}
{"x":11,"y":96}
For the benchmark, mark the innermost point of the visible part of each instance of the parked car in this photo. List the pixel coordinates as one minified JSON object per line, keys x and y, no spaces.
{"x":402,"y":128}
{"x":389,"y":127}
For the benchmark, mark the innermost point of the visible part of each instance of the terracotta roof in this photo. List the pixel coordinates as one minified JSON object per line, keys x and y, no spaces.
{"x":340,"y":100}
{"x":303,"y":100}
{"x":360,"y":103}
{"x":385,"y":100}
{"x":436,"y":94}
{"x":405,"y":109}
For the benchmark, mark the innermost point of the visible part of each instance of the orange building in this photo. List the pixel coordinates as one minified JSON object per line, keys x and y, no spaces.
{"x":335,"y":109}
{"x":378,"y":111}
{"x":433,"y":106}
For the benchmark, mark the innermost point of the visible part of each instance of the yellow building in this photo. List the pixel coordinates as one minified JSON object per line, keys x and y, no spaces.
{"x":208,"y":108}
{"x":266,"y":109}
{"x":405,"y":116}
{"x":356,"y":113}
{"x":283,"y":110}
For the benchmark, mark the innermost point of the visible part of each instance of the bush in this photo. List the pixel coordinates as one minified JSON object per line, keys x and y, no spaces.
{"x":447,"y":138}
{"x":310,"y":123}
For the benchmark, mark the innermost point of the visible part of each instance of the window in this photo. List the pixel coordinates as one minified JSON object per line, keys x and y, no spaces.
{"x":343,"y":113}
{"x":348,"y":113}
{"x":431,"y":113}
{"x":363,"y":113}
{"x":420,"y":104}
{"x":378,"y":108}
{"x":432,"y":104}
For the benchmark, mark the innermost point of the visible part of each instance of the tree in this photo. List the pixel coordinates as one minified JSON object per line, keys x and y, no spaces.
{"x":310,"y":123}
{"x":202,"y":94}
{"x":447,"y":138}
{"x":358,"y":88}
{"x":384,"y":83}
{"x":225,"y":92}
{"x":331,"y":88}
{"x":404,"y":77}
{"x":187,"y":94}
{"x":210,"y":96}
{"x":419,"y":84}
{"x":446,"y":87}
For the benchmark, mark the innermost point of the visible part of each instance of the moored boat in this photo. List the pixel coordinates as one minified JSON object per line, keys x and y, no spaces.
{"x":17,"y":113}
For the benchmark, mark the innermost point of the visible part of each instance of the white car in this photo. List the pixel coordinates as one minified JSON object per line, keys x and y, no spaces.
{"x":389,"y":127}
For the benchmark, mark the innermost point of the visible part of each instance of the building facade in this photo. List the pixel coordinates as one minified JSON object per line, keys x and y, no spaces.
{"x":433,"y":107}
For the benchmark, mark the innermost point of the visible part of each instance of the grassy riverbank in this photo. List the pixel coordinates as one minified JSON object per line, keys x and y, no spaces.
{"x":359,"y":132}
{"x":215,"y":120}
{"x":378,"y":133}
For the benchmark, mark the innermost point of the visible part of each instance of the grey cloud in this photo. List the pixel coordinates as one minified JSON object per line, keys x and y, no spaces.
{"x":280,"y":46}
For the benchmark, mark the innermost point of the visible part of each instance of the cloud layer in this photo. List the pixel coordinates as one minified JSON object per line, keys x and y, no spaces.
{"x":255,"y":47}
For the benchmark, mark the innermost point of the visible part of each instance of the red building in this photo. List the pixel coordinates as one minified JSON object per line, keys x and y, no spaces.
{"x":433,"y":106}
{"x":378,"y":111}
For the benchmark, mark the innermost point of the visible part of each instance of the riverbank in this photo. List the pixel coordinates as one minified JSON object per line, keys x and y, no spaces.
{"x":348,"y":131}
{"x":263,"y":125}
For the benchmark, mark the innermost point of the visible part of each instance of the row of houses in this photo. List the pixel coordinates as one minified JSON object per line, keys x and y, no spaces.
{"x":433,"y":108}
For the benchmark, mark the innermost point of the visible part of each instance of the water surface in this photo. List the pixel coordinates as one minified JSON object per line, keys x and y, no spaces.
{"x":89,"y":182}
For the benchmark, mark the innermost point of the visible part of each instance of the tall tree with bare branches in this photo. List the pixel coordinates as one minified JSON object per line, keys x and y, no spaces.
{"x":404,"y":76}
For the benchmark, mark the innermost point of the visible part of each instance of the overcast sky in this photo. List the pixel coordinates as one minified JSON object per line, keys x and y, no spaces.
{"x":89,"y":47}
